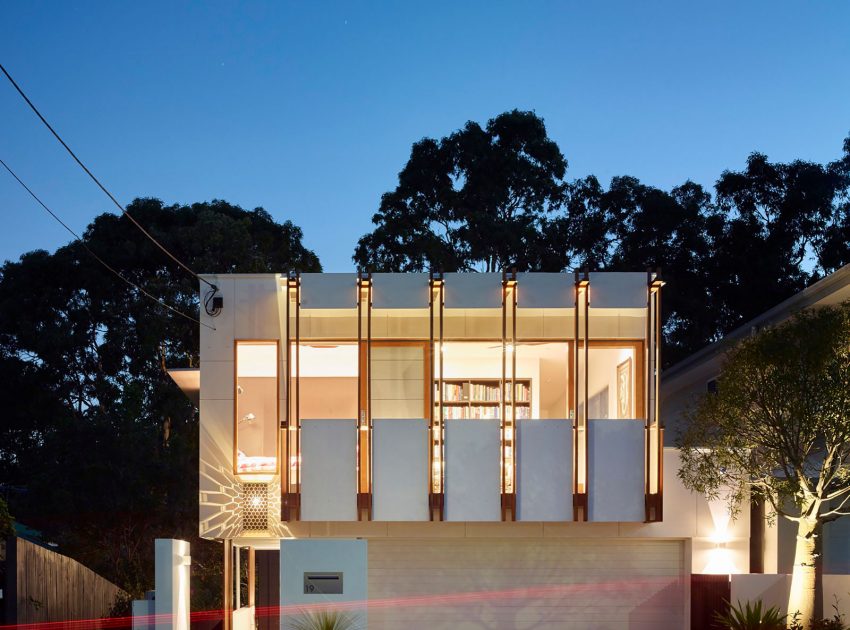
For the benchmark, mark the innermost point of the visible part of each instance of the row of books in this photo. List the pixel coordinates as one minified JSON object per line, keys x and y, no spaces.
{"x":482,"y":392}
{"x":523,"y":392}
{"x":479,"y":413}
{"x":452,"y":412}
{"x":453,"y":391}
{"x":487,"y":393}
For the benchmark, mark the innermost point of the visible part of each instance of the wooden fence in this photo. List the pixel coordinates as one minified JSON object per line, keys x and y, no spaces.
{"x":710,"y":594}
{"x":43,"y":586}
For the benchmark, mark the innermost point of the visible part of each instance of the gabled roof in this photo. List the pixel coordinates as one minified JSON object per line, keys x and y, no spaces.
{"x":832,"y":289}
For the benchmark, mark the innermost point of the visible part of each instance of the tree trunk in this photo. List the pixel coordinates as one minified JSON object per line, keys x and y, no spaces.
{"x":804,"y":582}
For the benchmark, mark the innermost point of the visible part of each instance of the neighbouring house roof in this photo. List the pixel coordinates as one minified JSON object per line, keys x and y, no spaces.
{"x":832,"y":289}
{"x":189,"y":381}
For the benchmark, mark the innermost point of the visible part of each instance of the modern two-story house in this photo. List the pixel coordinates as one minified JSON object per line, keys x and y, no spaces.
{"x":449,"y":451}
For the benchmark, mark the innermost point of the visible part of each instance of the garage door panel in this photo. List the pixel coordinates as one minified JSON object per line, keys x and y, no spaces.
{"x":501,"y":584}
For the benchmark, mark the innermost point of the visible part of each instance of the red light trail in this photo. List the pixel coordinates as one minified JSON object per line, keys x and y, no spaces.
{"x":441,"y":599}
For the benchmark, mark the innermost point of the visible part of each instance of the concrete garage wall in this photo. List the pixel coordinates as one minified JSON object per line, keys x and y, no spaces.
{"x":515,"y":583}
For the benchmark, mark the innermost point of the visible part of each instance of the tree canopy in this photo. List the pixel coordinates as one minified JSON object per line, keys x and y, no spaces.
{"x":778,"y":428}
{"x":476,"y":199}
{"x":97,"y":443}
{"x":495,"y":198}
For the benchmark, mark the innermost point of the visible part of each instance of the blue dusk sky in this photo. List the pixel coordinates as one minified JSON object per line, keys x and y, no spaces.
{"x":309,"y":109}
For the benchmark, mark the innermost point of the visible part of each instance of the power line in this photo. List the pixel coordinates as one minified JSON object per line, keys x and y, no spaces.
{"x":98,"y":258}
{"x":101,"y":186}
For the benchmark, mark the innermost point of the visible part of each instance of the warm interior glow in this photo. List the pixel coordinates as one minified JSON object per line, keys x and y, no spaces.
{"x":325,"y":360}
{"x":256,"y":359}
{"x":608,"y":397}
{"x":328,"y":379}
{"x":256,"y":418}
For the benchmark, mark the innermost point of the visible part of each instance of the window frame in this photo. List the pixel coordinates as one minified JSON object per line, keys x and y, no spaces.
{"x":639,"y":376}
{"x":262,"y":474}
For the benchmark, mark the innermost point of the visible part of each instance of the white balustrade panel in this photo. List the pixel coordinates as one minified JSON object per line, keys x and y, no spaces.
{"x":473,"y":489}
{"x":400,"y":290}
{"x":616,"y":462}
{"x":545,"y":290}
{"x":328,"y":470}
{"x":615,"y":289}
{"x":473,"y":290}
{"x":328,"y":290}
{"x":400,"y":470}
{"x":544,"y":470}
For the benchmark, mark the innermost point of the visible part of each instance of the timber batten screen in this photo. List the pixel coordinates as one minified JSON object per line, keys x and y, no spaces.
{"x":511,"y":350}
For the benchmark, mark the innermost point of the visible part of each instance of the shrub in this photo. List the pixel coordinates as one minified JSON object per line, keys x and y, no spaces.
{"x":326,"y":620}
{"x":751,"y":617}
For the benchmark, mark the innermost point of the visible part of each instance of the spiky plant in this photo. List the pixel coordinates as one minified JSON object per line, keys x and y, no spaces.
{"x":751,"y":617}
{"x":326,"y":620}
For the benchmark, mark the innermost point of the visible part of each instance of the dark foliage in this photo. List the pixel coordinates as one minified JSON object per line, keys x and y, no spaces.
{"x":495,"y":198}
{"x":99,"y":447}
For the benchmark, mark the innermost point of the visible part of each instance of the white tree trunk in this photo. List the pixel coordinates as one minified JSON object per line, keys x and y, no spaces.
{"x":801,"y":599}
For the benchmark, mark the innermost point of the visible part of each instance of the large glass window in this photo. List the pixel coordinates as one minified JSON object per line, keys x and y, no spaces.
{"x":325,"y":364}
{"x":616,"y":360}
{"x":323,"y":357}
{"x":542,"y":379}
{"x":256,"y":407}
{"x":399,"y":389}
{"x":327,"y":379}
{"x":399,"y":359}
{"x":615,"y":380}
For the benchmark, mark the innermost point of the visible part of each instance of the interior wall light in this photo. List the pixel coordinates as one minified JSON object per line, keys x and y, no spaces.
{"x":248,"y":418}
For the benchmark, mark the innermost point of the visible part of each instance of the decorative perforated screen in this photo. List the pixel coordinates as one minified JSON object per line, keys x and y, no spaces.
{"x":255,"y":506}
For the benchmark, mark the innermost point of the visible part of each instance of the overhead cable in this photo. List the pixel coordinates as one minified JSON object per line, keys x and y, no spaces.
{"x":99,"y":184}
{"x":98,"y":258}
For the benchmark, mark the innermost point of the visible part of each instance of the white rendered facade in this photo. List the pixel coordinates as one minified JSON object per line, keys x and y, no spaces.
{"x":496,"y":440}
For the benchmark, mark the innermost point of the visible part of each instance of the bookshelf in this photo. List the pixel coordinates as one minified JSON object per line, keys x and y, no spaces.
{"x":480,"y":398}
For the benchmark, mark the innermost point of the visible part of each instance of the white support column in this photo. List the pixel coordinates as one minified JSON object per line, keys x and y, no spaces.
{"x":171,"y":578}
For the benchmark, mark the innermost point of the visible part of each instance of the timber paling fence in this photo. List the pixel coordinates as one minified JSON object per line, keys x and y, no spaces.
{"x":43,"y":586}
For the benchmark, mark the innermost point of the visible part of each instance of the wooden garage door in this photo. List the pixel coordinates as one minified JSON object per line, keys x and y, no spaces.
{"x":544,"y":584}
